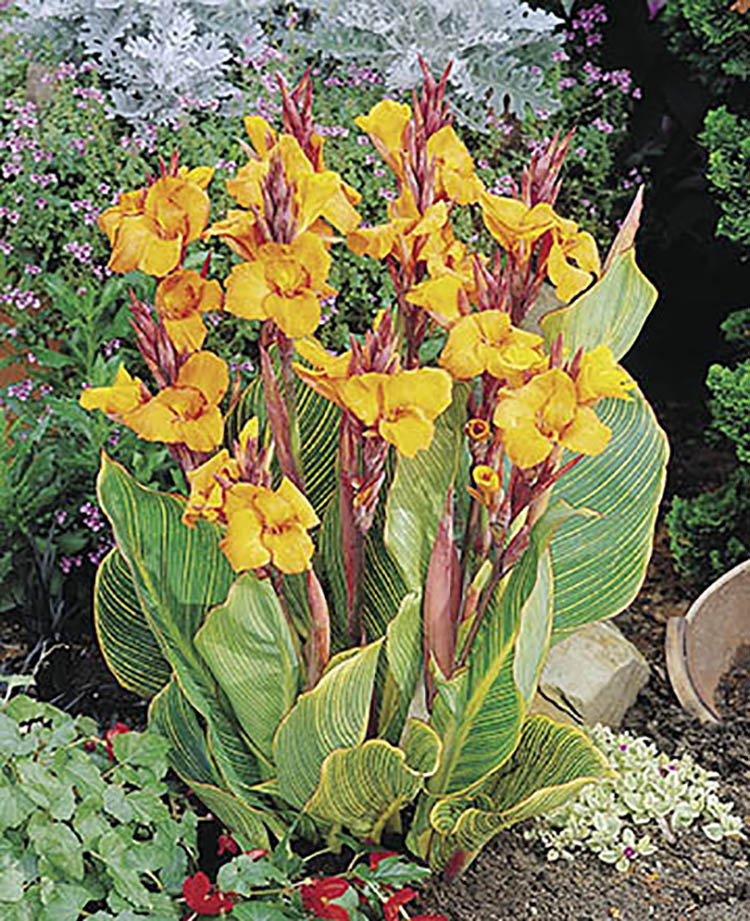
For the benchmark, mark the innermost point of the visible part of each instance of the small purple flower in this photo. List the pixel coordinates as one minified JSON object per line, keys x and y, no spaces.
{"x":60,"y":516}
{"x":628,"y":852}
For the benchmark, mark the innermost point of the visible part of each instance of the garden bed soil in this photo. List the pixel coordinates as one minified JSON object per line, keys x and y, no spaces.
{"x":691,"y":879}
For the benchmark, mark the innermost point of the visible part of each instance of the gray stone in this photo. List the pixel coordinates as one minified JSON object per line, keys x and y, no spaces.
{"x":592,"y":676}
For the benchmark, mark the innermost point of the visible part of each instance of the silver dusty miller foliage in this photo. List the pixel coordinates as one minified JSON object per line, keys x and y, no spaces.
{"x":652,"y":796}
{"x":154,"y":55}
{"x":499,"y":48}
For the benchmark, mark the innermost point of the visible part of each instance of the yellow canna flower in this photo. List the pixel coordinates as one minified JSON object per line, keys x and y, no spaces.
{"x":568,"y":243}
{"x":488,"y":484}
{"x":126,"y":394}
{"x":266,"y":526}
{"x":385,"y":123}
{"x":455,"y":177}
{"x":188,"y":411}
{"x":512,"y":223}
{"x":149,"y":228}
{"x":600,"y":376}
{"x":487,"y":341}
{"x":240,"y":232}
{"x":327,"y":369}
{"x":180,"y":300}
{"x":545,"y":412}
{"x":206,"y":492}
{"x":401,"y":407}
{"x":440,"y":296}
{"x":283,"y":284}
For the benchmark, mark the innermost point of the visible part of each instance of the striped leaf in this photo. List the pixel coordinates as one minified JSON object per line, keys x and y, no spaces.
{"x":599,"y":562}
{"x":480,"y":727}
{"x":319,"y":432}
{"x":125,"y":638}
{"x":416,"y":498}
{"x":362,"y":787}
{"x":611,"y":313}
{"x":172,"y":716}
{"x":534,"y":632}
{"x":334,"y":714}
{"x":384,"y":589}
{"x":178,"y":574}
{"x":248,"y":646}
{"x":552,"y":762}
{"x":403,"y":657}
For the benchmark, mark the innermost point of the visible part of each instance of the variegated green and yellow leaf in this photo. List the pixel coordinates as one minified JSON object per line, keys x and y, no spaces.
{"x":179,"y":573}
{"x":362,"y":787}
{"x":416,"y":498}
{"x":482,"y":726}
{"x":383,"y":589}
{"x":403,"y":660}
{"x":612,"y":312}
{"x":552,"y":762}
{"x":248,"y":646}
{"x":172,"y":716}
{"x":319,"y":433}
{"x":599,"y":562}
{"x":125,"y":638}
{"x":334,"y":714}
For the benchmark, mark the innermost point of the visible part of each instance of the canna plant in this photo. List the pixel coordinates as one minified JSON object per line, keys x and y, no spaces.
{"x":349,"y":612}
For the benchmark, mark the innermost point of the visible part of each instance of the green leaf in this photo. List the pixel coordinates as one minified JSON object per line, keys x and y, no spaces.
{"x":179,"y":573}
{"x":60,"y":846}
{"x":416,"y":498}
{"x":611,"y":313}
{"x":248,"y":637}
{"x":481,"y":723}
{"x":319,"y":432}
{"x":171,"y":714}
{"x":599,"y":562}
{"x":334,"y":714}
{"x":403,"y":653}
{"x":11,"y":885}
{"x":362,"y":787}
{"x":258,"y":911}
{"x":383,"y":590}
{"x":63,"y":901}
{"x":128,"y":644}
{"x":534,"y":632}
{"x":15,"y":807}
{"x":551,"y":763}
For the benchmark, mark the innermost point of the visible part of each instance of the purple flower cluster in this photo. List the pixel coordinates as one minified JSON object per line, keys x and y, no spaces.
{"x":22,"y":390}
{"x":354,"y":75}
{"x":332,"y":131}
{"x":79,"y":251}
{"x":92,"y":517}
{"x":586,"y":23}
{"x":109,"y":348}
{"x":19,"y":298}
{"x":90,"y":210}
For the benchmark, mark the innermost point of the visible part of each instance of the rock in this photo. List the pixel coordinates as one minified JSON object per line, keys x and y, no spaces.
{"x":592,"y":676}
{"x":40,"y":83}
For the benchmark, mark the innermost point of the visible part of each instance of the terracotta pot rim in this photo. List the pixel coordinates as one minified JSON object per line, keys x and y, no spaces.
{"x":678,"y":666}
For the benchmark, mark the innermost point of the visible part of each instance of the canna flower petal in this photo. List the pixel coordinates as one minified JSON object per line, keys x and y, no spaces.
{"x":206,"y":493}
{"x":242,"y":542}
{"x":180,"y":299}
{"x":455,"y":167}
{"x":247,"y":290}
{"x":207,"y":373}
{"x":438,"y":295}
{"x":386,"y":121}
{"x":600,"y":376}
{"x":261,"y":134}
{"x":486,"y":341}
{"x":297,"y":501}
{"x":586,"y":434}
{"x":126,"y":394}
{"x":511,"y":222}
{"x":408,"y":431}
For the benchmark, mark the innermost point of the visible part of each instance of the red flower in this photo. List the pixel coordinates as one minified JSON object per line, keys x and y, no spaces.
{"x":116,"y":730}
{"x":257,"y":852}
{"x":202,"y":898}
{"x":90,"y":745}
{"x":317,"y":895}
{"x":428,"y":918}
{"x":227,"y":845}
{"x":377,"y":856}
{"x":392,"y":905}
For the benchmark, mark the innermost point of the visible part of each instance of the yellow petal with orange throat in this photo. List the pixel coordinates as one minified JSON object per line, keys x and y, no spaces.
{"x":298,"y":503}
{"x":296,"y":315}
{"x":207,"y":373}
{"x":246,"y":291}
{"x":438,"y":295}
